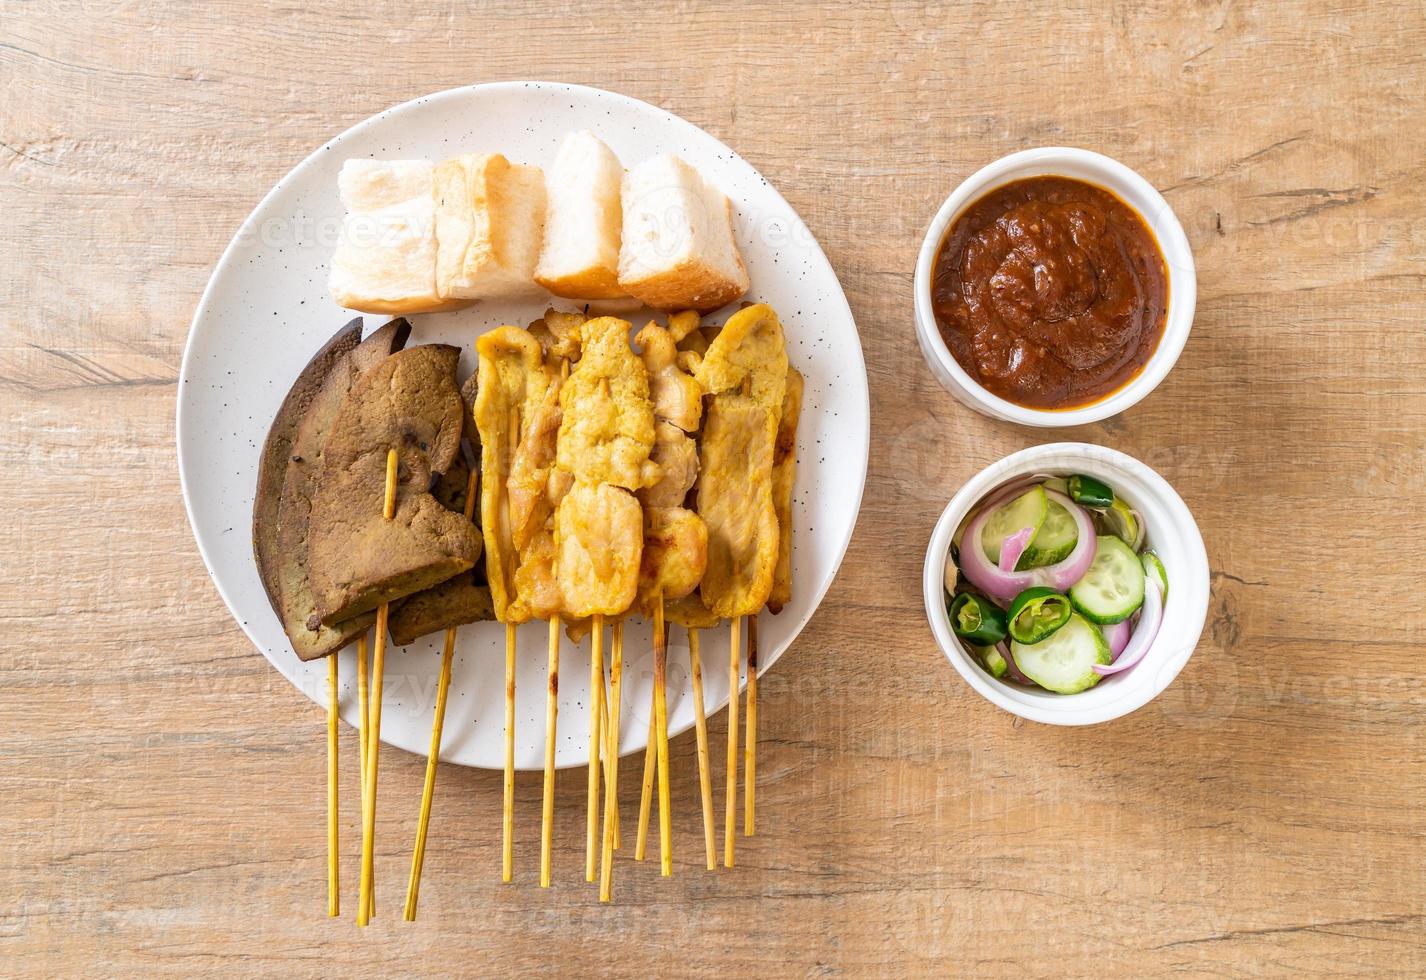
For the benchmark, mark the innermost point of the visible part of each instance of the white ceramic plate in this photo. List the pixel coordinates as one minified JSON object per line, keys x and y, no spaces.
{"x":266,"y":310}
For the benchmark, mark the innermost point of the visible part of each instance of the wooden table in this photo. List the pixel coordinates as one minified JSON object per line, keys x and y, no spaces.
{"x":163,"y":788}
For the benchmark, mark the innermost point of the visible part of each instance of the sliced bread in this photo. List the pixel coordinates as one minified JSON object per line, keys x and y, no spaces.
{"x":580,"y":257}
{"x":490,"y":216}
{"x":677,"y":250}
{"x":385,"y":261}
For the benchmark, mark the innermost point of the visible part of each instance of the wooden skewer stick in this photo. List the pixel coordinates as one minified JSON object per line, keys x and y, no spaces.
{"x":363,"y":732}
{"x":661,"y":726}
{"x":443,"y":687}
{"x":651,"y":754}
{"x":508,"y":859}
{"x":547,"y":821}
{"x":334,"y":875}
{"x":610,"y":743}
{"x":596,"y":715}
{"x":418,"y":856}
{"x":750,"y":751}
{"x":705,"y":767}
{"x":378,"y":669}
{"x":611,"y":791}
{"x":730,"y":814}
{"x":508,"y":816}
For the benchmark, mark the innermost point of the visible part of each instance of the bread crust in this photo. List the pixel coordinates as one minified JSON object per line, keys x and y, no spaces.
{"x":594,"y":282}
{"x":692,"y":284}
{"x":398,"y":307}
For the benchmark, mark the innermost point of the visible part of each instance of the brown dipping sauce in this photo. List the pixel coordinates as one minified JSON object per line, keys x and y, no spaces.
{"x":1050,"y":292}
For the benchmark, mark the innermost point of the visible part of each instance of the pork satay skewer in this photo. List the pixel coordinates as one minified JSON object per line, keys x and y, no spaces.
{"x":334,"y":871}
{"x":443,"y":687}
{"x":509,"y":380}
{"x":691,"y":346}
{"x":745,"y":369}
{"x":378,"y":669}
{"x":602,"y":455}
{"x":675,"y":539}
{"x":784,"y":470}
{"x":611,"y":790}
{"x":537,"y":595}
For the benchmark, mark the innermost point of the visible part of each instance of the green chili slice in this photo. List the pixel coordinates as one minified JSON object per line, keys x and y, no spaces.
{"x":977,"y":620}
{"x":1089,"y":492}
{"x":1037,"y":613}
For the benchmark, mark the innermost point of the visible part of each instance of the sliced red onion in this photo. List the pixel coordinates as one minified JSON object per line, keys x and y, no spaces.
{"x":1003,"y":586}
{"x":990,"y":502}
{"x":1012,"y":668}
{"x":1151,"y":617}
{"x":1117,"y":636}
{"x":1013,"y":547}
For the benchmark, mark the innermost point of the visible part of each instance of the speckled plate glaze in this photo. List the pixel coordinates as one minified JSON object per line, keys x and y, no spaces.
{"x":266,"y":310}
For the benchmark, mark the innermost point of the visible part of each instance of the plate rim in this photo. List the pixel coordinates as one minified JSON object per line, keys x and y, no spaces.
{"x":229,"y":257}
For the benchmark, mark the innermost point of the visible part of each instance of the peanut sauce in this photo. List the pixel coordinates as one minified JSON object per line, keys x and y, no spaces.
{"x":1050,"y":292}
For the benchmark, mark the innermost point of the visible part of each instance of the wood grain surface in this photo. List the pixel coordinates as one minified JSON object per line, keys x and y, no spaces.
{"x":162,"y":789}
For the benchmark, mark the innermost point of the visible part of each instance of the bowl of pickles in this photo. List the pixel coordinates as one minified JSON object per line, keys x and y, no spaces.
{"x":1067,"y":583}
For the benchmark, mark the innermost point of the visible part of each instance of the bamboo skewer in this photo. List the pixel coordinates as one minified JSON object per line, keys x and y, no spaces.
{"x":363,"y":728}
{"x":418,"y":856}
{"x":508,"y":815}
{"x":547,"y":820}
{"x":705,"y":768}
{"x":378,"y":668}
{"x":641,"y":840}
{"x":334,"y":876}
{"x":610,"y":741}
{"x":661,"y":726}
{"x":750,"y":751}
{"x":596,"y":715}
{"x":611,"y":791}
{"x":730,"y":815}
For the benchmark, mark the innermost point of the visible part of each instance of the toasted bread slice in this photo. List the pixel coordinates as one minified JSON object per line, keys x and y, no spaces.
{"x":580,"y":257}
{"x":385,"y":261}
{"x":490,"y":219}
{"x":677,"y":250}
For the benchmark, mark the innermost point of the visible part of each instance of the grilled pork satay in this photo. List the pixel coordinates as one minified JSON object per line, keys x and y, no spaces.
{"x":511,"y":382}
{"x":735,"y":500}
{"x":608,"y":428}
{"x":605,"y":439}
{"x":675,"y":539}
{"x":745,"y":369}
{"x":532,"y":503}
{"x":749,"y":351}
{"x":784,"y":472}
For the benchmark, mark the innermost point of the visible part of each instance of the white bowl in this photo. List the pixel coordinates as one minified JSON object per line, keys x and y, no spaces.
{"x":1171,"y":532}
{"x":1094,"y":168}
